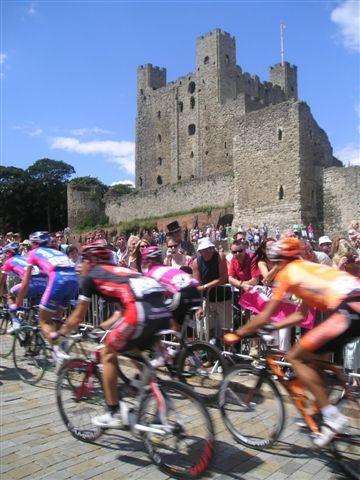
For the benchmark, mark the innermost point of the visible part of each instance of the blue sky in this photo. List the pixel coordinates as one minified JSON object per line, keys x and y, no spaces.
{"x":68,"y":70}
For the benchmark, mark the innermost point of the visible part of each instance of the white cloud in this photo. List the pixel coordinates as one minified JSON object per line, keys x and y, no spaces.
{"x":123,"y":182}
{"x":349,"y":155}
{"x":80,"y":132}
{"x":32,"y":10}
{"x":347,"y":17}
{"x":29,"y":129}
{"x":119,"y":152}
{"x":3,"y":58}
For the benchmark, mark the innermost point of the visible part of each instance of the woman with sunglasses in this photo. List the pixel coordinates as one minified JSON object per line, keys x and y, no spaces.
{"x":173,"y":257}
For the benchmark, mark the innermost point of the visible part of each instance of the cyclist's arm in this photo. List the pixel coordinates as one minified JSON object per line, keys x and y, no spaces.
{"x":24,"y":286}
{"x":259,"y":320}
{"x":76,"y":317}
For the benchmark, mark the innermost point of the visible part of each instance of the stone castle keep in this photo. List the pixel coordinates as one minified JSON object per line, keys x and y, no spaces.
{"x":221,"y":138}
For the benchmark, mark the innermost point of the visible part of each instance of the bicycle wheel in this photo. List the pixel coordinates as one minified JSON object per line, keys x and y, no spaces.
{"x":346,"y":447}
{"x":202,"y":367}
{"x":81,"y":398}
{"x":30,"y":355}
{"x":6,"y":340}
{"x":186,"y":448}
{"x":251,"y":406}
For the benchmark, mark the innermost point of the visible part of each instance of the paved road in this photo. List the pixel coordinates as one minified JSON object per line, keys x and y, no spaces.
{"x":35,"y":444}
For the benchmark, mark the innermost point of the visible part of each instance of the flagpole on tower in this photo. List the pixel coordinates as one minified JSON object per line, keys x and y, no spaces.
{"x":282,"y":28}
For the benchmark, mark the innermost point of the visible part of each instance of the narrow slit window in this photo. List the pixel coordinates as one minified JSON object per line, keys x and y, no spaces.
{"x":280,"y":134}
{"x":191,"y":129}
{"x":191,"y":87}
{"x":281,"y":192}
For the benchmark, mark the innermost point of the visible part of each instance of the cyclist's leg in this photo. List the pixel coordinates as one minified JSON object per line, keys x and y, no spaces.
{"x":110,"y":375}
{"x":314,"y":341}
{"x":300,"y":359}
{"x":115,"y":342}
{"x":338,"y":329}
{"x":49,"y":304}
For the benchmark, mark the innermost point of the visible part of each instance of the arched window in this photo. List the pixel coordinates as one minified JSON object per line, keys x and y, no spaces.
{"x":181,"y":106}
{"x":191,"y":129}
{"x":191,"y":154}
{"x":159,"y":180}
{"x":192,"y":102}
{"x":206,"y":60}
{"x":179,"y":177}
{"x":159,"y":138}
{"x":281,"y":192}
{"x":227,"y":59}
{"x":160,"y":161}
{"x":191,"y":87}
{"x":280,"y":134}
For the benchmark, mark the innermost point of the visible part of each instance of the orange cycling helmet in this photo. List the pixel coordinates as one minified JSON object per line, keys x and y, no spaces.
{"x":287,"y":248}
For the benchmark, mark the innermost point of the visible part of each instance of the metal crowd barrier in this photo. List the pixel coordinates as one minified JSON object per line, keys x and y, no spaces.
{"x":221,"y":313}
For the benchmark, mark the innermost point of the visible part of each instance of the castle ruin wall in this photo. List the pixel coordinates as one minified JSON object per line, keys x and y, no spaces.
{"x":341,"y":198}
{"x":215,"y":191}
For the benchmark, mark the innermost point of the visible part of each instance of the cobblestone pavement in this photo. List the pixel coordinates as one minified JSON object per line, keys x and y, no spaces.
{"x":36,"y":445}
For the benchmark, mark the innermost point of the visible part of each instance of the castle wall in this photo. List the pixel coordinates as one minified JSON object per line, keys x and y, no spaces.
{"x":267,"y":167}
{"x":212,"y":191}
{"x":315,"y":154}
{"x":341,"y":198}
{"x":184,"y":129}
{"x":85,"y":205}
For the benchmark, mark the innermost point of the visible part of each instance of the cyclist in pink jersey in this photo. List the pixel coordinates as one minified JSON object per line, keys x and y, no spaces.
{"x":16,"y":265}
{"x":180,"y":286}
{"x":62,"y":283}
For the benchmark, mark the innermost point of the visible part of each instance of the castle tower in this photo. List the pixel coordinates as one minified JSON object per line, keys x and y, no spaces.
{"x":215,"y":62}
{"x":149,"y":79}
{"x":149,"y":76}
{"x":286,"y":77}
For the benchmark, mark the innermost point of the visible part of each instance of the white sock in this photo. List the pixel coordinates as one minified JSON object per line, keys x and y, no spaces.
{"x":330,"y":411}
{"x":124,"y":412}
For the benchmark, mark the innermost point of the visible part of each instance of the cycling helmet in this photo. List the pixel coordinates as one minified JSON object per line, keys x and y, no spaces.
{"x":98,"y":252}
{"x":151,"y":254}
{"x":41,"y":238}
{"x":287,"y":248}
{"x":12,"y":247}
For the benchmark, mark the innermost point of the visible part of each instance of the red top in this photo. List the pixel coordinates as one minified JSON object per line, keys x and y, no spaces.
{"x":241,"y":271}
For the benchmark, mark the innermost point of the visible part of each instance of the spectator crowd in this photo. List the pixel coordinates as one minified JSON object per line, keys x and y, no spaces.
{"x":224,"y":260}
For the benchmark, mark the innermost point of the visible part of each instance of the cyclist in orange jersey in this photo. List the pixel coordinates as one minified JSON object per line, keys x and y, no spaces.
{"x":326,"y":289}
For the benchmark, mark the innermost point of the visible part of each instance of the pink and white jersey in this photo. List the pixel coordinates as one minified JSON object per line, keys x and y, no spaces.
{"x":48,"y":260}
{"x":16,"y":266}
{"x":172,"y":279}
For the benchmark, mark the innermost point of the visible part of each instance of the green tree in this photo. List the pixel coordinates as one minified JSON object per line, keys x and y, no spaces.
{"x":89,"y":182}
{"x":51,"y":177}
{"x":122,"y":189}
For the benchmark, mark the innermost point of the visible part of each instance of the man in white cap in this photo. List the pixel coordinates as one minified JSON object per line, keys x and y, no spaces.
{"x":325,"y":244}
{"x":210,"y":269}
